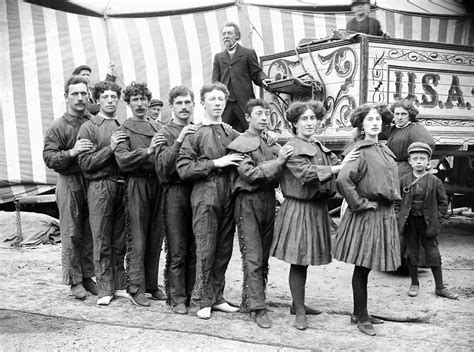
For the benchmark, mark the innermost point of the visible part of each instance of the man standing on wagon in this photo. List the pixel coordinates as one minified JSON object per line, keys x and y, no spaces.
{"x":237,"y":67}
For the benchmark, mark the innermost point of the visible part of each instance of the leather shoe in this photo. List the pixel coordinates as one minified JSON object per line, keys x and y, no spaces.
{"x":355,"y":319}
{"x":204,"y":313}
{"x":366,"y":327}
{"x":193,"y":309}
{"x":78,"y":292}
{"x":180,"y":309}
{"x":225,"y":307}
{"x":90,"y":286}
{"x":413,"y":290}
{"x":261,"y":318}
{"x":140,"y":299}
{"x":157,"y":295}
{"x":301,"y":322}
{"x":444,"y":292}
{"x":309,"y":311}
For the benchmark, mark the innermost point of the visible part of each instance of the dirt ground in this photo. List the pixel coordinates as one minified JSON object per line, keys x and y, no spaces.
{"x":37,"y":313}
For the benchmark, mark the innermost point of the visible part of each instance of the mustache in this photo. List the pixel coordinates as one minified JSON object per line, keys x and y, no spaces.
{"x":184,"y":110}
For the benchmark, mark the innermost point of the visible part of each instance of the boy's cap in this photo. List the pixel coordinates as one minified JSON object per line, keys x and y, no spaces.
{"x":155,"y":102}
{"x":80,"y":68}
{"x":419,"y":147}
{"x":360,"y":2}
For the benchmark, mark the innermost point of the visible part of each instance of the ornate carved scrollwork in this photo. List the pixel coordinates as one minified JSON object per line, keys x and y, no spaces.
{"x":288,"y":80}
{"x":377,"y":78}
{"x":430,"y":56}
{"x":282,"y":69}
{"x":344,"y":62}
{"x":277,"y":115}
{"x":447,"y":123}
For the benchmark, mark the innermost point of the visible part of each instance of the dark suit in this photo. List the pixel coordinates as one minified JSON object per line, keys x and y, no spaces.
{"x":237,"y":74}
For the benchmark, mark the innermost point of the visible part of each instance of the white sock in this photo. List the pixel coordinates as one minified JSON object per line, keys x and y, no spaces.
{"x":122,"y":293}
{"x":204,"y":313}
{"x":104,"y":301}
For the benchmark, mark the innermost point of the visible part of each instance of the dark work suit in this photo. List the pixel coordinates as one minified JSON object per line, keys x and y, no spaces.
{"x":237,"y":74}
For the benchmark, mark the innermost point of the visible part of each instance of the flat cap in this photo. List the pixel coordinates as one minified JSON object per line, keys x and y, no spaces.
{"x":80,"y":68}
{"x":155,"y":102}
{"x":419,"y":147}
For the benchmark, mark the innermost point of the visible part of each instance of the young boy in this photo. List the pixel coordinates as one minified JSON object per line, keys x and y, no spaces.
{"x":105,"y":192}
{"x":254,"y":187}
{"x":203,"y":160}
{"x":424,"y":204}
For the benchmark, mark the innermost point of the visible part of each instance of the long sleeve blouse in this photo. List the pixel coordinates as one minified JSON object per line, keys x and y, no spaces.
{"x":373,"y":176}
{"x":307,"y":173}
{"x":400,"y":139}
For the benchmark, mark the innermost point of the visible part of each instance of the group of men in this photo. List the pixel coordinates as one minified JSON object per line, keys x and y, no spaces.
{"x":123,"y":188}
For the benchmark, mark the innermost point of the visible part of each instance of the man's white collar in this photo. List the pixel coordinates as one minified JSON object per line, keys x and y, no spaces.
{"x":233,"y":47}
{"x":207,"y":121}
{"x":106,"y":117}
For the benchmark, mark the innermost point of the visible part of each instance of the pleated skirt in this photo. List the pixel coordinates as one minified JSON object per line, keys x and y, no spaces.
{"x":302,"y":233}
{"x":369,"y":239}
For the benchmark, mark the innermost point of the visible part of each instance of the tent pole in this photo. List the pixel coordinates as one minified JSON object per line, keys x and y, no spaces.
{"x":107,"y":38}
{"x":106,"y":21}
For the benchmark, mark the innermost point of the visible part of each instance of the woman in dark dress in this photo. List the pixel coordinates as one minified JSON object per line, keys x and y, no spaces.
{"x":367,"y":235}
{"x":406,"y":131}
{"x":302,"y":231}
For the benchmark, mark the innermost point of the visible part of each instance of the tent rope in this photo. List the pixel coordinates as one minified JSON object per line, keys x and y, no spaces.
{"x":238,"y":3}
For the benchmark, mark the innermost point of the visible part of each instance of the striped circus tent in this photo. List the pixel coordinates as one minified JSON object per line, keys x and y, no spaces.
{"x":41,"y":46}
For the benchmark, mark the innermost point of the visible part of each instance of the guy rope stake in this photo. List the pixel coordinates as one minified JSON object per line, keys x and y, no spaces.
{"x":18,"y":201}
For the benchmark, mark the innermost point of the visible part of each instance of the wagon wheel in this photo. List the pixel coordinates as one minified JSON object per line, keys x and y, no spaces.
{"x":443,"y":168}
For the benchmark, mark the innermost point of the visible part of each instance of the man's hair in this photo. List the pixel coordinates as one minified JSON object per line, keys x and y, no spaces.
{"x":179,"y":91}
{"x":253,"y":103}
{"x":136,"y":89}
{"x":213,"y":86}
{"x":74,"y":80}
{"x":236,"y":28}
{"x":102,"y":86}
